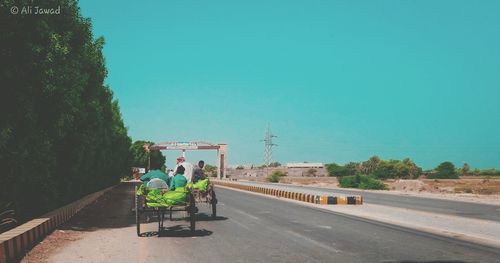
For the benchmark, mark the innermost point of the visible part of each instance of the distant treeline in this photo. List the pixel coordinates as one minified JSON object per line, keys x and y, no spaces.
{"x":61,"y":132}
{"x":404,"y":169}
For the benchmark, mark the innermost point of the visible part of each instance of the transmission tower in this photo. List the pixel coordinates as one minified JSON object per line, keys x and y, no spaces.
{"x":268,"y":144}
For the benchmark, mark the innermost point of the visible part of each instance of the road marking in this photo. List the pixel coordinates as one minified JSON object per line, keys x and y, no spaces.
{"x":242,"y":225}
{"x":246,"y":214}
{"x":325,"y":227}
{"x":314,"y":242}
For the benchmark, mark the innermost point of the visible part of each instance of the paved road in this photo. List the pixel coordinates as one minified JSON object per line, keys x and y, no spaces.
{"x":464,"y":209}
{"x":252,"y":228}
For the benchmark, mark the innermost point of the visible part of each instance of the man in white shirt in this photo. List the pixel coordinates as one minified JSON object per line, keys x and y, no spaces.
{"x":188,"y":173}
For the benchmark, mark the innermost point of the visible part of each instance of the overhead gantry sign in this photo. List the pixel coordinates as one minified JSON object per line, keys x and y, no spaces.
{"x":197,"y":145}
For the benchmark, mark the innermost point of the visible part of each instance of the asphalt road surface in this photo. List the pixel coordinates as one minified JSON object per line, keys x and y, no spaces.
{"x":252,"y":228}
{"x":463,"y":209}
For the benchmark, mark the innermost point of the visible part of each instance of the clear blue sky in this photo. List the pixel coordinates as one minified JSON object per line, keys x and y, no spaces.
{"x":337,"y":80}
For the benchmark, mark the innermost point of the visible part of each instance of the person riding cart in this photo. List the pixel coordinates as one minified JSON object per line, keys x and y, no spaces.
{"x":155,"y":172}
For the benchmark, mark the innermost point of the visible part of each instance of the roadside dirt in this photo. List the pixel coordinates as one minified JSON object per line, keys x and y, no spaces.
{"x":112,"y":210}
{"x":52,"y":243}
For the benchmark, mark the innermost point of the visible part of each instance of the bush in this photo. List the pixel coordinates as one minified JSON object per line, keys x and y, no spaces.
{"x":361,"y":181}
{"x":348,"y":182}
{"x":368,"y":182}
{"x":275,"y":177}
{"x":338,"y":170}
{"x":445,"y":170}
{"x":486,"y":172}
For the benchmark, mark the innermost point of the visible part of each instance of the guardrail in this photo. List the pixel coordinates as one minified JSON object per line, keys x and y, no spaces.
{"x":308,"y":198}
{"x":16,"y":242}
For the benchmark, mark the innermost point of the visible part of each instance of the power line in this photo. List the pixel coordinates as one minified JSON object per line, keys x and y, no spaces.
{"x":268,"y":146}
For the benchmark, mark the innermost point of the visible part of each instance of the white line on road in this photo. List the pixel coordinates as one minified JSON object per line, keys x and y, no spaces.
{"x":314,"y":242}
{"x":245,"y":214}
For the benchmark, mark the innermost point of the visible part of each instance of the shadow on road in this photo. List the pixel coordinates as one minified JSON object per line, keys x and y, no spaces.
{"x":112,"y":210}
{"x":177,"y":231}
{"x":205,"y":217}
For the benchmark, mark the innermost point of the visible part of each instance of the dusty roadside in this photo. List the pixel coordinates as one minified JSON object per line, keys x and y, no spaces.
{"x":111,"y":211}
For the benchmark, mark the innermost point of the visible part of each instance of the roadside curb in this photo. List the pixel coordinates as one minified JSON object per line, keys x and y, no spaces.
{"x":298,"y":196}
{"x":16,"y":242}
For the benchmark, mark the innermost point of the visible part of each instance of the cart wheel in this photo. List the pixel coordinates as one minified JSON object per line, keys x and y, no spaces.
{"x":192,"y":212}
{"x":137,"y":213}
{"x":192,"y":219}
{"x":214,"y":205}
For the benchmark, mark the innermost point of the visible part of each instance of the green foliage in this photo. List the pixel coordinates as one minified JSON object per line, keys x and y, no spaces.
{"x":7,"y":220}
{"x":361,"y":181}
{"x":338,"y":170}
{"x":381,"y":169}
{"x":210,"y":170}
{"x":445,"y":170}
{"x":61,"y":133}
{"x":465,"y":169}
{"x":275,"y":177}
{"x":486,"y":172}
{"x":275,"y":164}
{"x":239,"y":167}
{"x":404,"y":169}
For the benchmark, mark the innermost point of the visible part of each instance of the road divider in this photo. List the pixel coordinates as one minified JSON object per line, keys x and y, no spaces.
{"x":15,"y":243}
{"x":303,"y":197}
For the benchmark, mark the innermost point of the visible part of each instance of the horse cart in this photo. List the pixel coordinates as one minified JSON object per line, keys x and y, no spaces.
{"x":143,"y":212}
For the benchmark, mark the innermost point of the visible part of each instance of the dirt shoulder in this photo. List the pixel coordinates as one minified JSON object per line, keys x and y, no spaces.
{"x":110,"y":211}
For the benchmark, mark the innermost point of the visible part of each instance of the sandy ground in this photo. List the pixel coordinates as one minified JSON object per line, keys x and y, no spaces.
{"x":116,"y":205}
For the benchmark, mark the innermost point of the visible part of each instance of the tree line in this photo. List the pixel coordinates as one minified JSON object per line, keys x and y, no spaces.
{"x":61,"y":131}
{"x":404,"y":169}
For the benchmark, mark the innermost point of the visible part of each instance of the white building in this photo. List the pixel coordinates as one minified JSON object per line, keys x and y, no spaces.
{"x":305,"y":165}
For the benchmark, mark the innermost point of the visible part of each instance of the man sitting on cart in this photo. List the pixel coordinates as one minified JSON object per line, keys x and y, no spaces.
{"x":198,"y":174}
{"x":178,"y":180}
{"x":155,"y":172}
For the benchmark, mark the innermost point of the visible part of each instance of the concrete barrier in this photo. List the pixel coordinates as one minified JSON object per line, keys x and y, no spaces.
{"x":308,"y":198}
{"x":16,"y":242}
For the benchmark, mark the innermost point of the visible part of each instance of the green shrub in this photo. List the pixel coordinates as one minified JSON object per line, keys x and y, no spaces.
{"x":368,"y":182}
{"x":348,"y":181}
{"x":338,"y":170}
{"x":275,"y":177}
{"x":361,"y":181}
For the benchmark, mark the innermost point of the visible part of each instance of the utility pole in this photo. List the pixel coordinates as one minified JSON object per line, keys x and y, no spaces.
{"x":268,"y":146}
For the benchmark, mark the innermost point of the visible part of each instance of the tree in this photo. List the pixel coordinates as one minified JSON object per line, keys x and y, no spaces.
{"x":210,"y":170}
{"x":61,"y":132}
{"x":275,"y":164}
{"x":339,"y":170}
{"x":445,"y":170}
{"x":397,"y":169}
{"x":367,"y":167}
{"x":465,"y":169}
{"x":142,"y":157}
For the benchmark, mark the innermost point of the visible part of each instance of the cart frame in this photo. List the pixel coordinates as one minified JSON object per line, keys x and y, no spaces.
{"x":142,"y":209}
